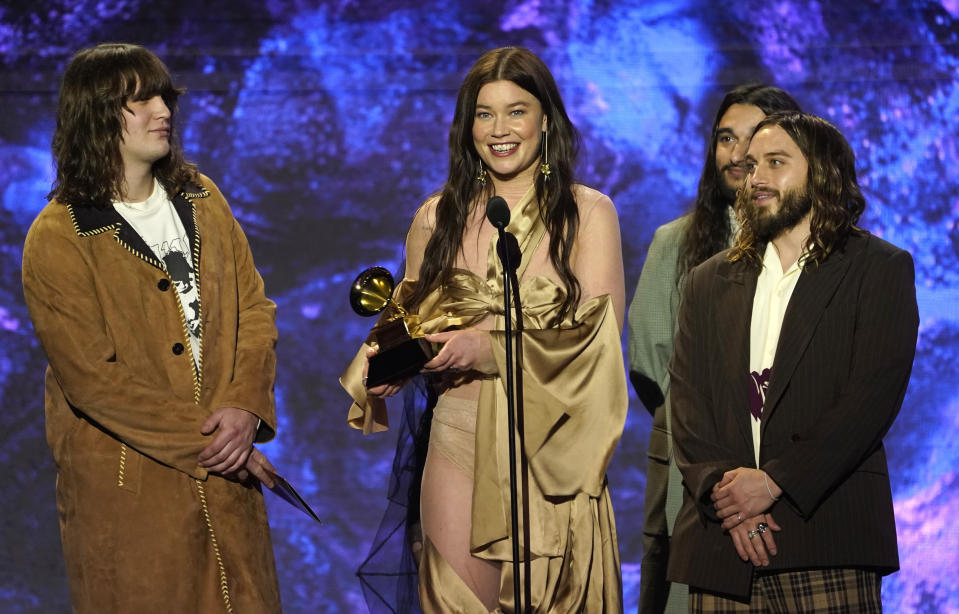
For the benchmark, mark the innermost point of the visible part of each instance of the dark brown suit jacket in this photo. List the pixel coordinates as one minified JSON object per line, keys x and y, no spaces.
{"x":838,"y":379}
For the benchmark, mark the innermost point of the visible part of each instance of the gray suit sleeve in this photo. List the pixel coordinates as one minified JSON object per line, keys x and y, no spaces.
{"x":652,"y":316}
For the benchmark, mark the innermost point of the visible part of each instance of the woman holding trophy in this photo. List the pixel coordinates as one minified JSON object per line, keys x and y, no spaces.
{"x":511,"y":137}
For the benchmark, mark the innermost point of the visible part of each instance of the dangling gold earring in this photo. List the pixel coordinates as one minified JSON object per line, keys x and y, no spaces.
{"x":544,"y":169}
{"x":481,"y":175}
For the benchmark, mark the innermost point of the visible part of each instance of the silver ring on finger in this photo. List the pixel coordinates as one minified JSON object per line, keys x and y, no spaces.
{"x":739,"y":517}
{"x":761,"y":527}
{"x":752,"y":534}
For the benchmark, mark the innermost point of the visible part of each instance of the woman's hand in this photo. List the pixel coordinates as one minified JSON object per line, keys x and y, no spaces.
{"x":383,"y":390}
{"x":463,"y":350}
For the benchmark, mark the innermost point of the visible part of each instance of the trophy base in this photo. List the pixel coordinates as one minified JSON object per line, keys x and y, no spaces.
{"x":398,"y":362}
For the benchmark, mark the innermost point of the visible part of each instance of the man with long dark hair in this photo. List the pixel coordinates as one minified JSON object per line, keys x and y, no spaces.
{"x":792,"y":358}
{"x":676,"y":248}
{"x":160,"y":380}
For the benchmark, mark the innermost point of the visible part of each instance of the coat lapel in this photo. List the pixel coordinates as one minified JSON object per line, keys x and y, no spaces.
{"x":734,"y":305}
{"x":90,"y":221}
{"x":186,"y":210}
{"x":814,"y":290}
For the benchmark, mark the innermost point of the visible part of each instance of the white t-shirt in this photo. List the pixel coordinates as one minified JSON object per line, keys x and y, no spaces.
{"x":157,"y":222}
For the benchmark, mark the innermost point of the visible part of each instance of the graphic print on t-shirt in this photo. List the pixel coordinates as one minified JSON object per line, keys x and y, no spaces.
{"x":759,"y":384}
{"x":157,"y":223}
{"x":175,"y":255}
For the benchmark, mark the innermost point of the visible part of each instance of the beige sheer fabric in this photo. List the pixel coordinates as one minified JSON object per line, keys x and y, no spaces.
{"x":575,"y":402}
{"x":453,"y":431}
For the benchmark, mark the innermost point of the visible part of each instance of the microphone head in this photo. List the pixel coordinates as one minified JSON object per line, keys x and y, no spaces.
{"x":497,"y":212}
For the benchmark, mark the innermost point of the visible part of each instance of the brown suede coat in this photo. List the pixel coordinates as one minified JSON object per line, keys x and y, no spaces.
{"x":144,"y":528}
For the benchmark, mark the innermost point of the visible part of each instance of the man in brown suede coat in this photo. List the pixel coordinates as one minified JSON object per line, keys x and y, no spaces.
{"x":142,"y":290}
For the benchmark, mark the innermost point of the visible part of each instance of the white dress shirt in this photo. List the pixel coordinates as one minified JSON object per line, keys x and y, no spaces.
{"x":774,"y":287}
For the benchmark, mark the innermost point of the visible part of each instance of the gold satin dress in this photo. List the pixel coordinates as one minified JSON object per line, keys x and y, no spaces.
{"x":575,"y":400}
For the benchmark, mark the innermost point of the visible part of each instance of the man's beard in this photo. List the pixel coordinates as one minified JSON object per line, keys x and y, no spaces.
{"x":793,"y":206}
{"x":726,"y":193}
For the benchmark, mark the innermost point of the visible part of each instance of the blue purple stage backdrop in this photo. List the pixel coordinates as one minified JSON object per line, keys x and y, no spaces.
{"x":325,"y":124}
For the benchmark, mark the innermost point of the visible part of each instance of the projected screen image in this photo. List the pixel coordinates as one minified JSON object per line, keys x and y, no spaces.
{"x":326,"y":125}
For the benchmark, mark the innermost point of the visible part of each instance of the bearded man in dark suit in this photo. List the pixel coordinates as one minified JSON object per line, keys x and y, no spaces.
{"x":790,"y":363}
{"x":676,"y":248}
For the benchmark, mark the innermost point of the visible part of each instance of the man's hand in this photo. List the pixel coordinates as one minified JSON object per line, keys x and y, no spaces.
{"x":231,"y":446}
{"x":742,"y":494}
{"x":260,"y":467}
{"x":753,"y":538}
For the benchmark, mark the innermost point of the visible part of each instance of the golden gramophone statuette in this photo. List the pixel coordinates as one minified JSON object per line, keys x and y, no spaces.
{"x":401,"y":353}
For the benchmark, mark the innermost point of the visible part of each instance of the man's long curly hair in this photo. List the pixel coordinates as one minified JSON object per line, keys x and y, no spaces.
{"x":97,"y":84}
{"x":831,"y":186}
{"x":462,"y":192}
{"x":709,"y":232}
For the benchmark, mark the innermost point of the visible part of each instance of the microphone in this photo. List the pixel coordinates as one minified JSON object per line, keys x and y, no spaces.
{"x":497,"y":212}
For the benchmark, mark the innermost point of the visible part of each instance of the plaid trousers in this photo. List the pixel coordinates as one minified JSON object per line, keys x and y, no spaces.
{"x":824,"y":591}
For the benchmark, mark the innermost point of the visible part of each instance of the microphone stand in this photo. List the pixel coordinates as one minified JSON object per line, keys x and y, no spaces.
{"x":508,"y":250}
{"x":510,"y":415}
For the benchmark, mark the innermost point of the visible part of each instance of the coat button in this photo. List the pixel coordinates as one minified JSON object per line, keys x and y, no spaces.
{"x":794,"y":437}
{"x":163,"y":284}
{"x":177,"y":348}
